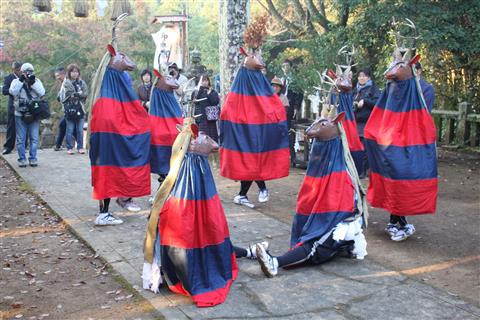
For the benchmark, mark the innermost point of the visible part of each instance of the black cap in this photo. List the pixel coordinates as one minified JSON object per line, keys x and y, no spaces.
{"x":418,"y":65}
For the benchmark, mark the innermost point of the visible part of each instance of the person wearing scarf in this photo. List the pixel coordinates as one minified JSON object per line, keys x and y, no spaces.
{"x":145,"y":88}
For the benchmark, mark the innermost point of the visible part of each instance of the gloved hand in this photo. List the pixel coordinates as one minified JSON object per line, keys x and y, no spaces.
{"x":22,"y":78}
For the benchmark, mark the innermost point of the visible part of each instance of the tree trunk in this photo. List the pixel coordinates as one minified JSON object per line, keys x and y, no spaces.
{"x":233,"y":21}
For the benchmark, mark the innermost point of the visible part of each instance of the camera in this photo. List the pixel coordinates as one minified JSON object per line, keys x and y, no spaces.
{"x":172,"y":73}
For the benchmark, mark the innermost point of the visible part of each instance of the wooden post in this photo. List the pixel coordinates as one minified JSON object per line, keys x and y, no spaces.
{"x":473,"y":133}
{"x":449,"y":130}
{"x":461,"y":123}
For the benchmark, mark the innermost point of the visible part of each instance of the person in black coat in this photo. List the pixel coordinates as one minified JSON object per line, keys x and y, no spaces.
{"x":365,"y":95}
{"x":10,"y":140}
{"x":208,"y":98}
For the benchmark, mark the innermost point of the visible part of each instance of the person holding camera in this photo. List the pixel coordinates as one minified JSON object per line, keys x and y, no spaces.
{"x":174,"y":71}
{"x":73,"y":95}
{"x":207,"y":110}
{"x":26,"y":90}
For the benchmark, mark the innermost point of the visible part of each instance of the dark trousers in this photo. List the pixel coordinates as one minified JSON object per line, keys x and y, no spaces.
{"x":245,"y":186}
{"x":62,"y":131}
{"x":291,"y":141}
{"x":11,"y":135}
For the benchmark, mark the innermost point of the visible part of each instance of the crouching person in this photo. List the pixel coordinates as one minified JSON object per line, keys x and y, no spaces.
{"x":331,"y":211}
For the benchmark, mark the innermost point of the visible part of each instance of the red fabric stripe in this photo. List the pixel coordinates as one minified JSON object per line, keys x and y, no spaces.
{"x":164,"y":130}
{"x":215,"y":297}
{"x":400,"y":128}
{"x":193,"y":223}
{"x":112,"y":182}
{"x":249,"y":166}
{"x":351,"y":132}
{"x":332,"y":193}
{"x":253,"y":109}
{"x":403,"y":197}
{"x":125,"y":118}
{"x":211,"y":298}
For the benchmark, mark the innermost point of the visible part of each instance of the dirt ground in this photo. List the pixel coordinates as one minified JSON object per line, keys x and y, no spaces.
{"x":47,"y":273}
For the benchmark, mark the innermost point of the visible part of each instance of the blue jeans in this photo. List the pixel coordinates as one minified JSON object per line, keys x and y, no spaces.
{"x":22,"y":130}
{"x":72,"y":126}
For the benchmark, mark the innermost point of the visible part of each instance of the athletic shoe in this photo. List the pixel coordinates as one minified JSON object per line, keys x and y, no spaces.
{"x":22,"y":164}
{"x":150,"y":200}
{"x":252,"y":249}
{"x":81,"y":151}
{"x":7,"y":151}
{"x":33,"y":162}
{"x":107,"y":219}
{"x":70,"y":151}
{"x":57,"y":148}
{"x":268,"y":263}
{"x":391,"y":229}
{"x":404,"y":233}
{"x":263,"y":196}
{"x":243,"y":200}
{"x":128,"y":204}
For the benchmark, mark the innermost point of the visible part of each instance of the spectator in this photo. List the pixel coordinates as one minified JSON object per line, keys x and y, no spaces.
{"x":145,"y":88}
{"x":365,"y":95}
{"x":277,"y":86}
{"x":10,"y":140}
{"x":295,"y":100}
{"x":207,"y":110}
{"x":73,"y":95}
{"x":62,"y":124}
{"x":181,"y":79}
{"x":427,"y":88}
{"x":25,"y":89}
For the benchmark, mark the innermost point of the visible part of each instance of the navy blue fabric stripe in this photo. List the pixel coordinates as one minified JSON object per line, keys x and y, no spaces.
{"x":195,"y":179}
{"x":314,"y":226}
{"x":402,"y":163}
{"x":199,"y":270}
{"x":111,"y":149}
{"x":160,"y":159}
{"x":326,"y":157}
{"x":345,"y":104}
{"x":251,"y":83}
{"x":254,"y":138}
{"x":164,"y":104}
{"x":115,"y":86}
{"x":400,"y":96}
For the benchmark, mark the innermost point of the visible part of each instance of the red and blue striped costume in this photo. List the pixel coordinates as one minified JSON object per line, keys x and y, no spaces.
{"x":196,"y":253}
{"x":119,"y":141}
{"x":253,"y":130}
{"x":327,"y":194}
{"x":400,"y":141}
{"x":350,"y":126}
{"x":165,"y":114}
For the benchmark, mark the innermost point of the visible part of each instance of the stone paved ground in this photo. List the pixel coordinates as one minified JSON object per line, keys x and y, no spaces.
{"x":341,"y":289}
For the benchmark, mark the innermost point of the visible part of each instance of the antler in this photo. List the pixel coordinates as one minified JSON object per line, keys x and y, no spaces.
{"x":401,"y":39}
{"x":114,"y":27}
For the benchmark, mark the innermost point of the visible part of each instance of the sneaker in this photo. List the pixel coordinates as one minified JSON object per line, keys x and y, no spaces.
{"x":404,"y":233}
{"x":57,"y":148}
{"x":22,"y":164}
{"x":150,"y":200}
{"x":128,"y":204}
{"x":33,"y":162}
{"x":81,"y":151}
{"x":243,"y":200}
{"x":263,"y":196}
{"x":70,"y":151}
{"x":107,"y":219}
{"x":268,"y":263}
{"x":391,"y":229}
{"x":252,"y":249}
{"x":7,"y":151}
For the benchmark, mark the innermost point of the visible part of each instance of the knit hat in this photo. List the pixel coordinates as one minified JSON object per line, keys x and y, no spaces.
{"x":26,"y":66}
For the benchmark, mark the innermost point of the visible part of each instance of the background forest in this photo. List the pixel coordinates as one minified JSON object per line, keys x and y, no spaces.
{"x":307,"y":31}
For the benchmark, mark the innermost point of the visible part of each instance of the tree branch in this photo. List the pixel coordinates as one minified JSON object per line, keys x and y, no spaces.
{"x":287,"y":24}
{"x":321,"y":19}
{"x":344,"y":13}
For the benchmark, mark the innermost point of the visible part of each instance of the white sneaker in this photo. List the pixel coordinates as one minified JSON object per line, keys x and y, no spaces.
{"x":128,"y":204}
{"x":263,"y":196}
{"x":243,"y":200}
{"x":268,"y":263}
{"x":391,"y":229}
{"x":106,"y":219}
{"x":150,"y":200}
{"x":252,"y":249}
{"x":404,"y":233}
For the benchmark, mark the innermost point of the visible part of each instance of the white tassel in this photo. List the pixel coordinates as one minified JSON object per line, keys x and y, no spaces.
{"x":352,"y":231}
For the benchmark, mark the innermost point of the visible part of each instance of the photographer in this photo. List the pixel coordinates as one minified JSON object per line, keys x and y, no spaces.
{"x":25,"y":90}
{"x":181,"y":79}
{"x":73,"y":95}
{"x":207,"y":110}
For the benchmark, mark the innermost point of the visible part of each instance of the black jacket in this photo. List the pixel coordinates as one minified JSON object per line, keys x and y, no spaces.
{"x":212,"y":100}
{"x":370,"y":96}
{"x":6,"y":86}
